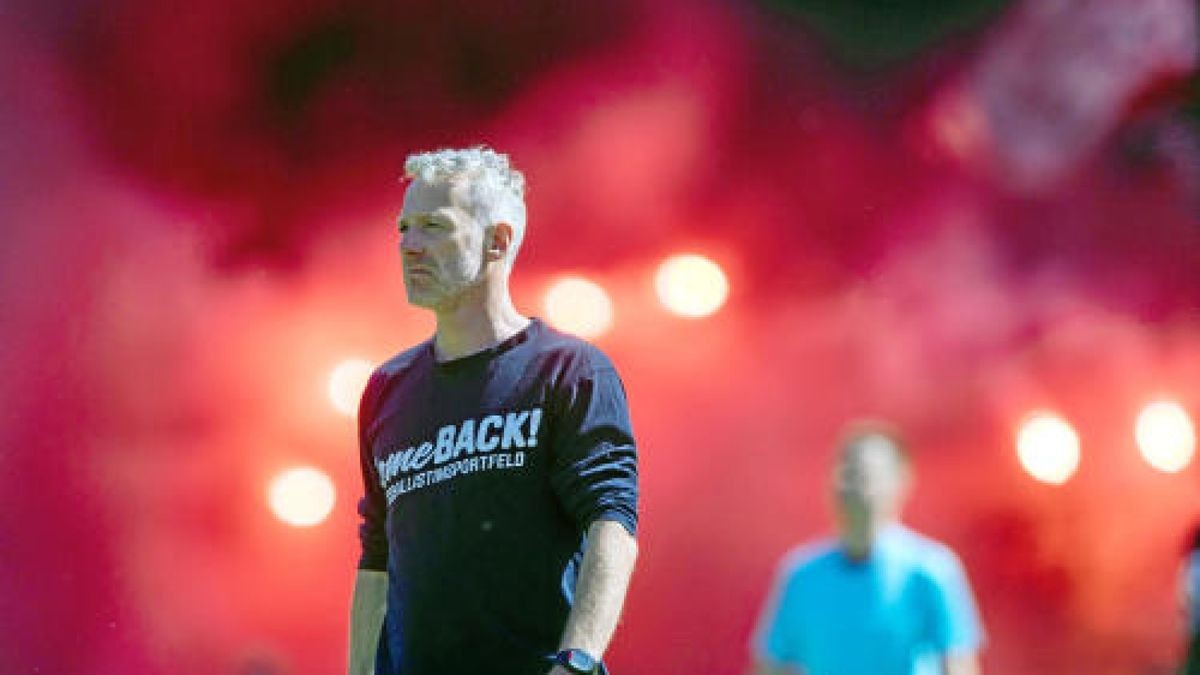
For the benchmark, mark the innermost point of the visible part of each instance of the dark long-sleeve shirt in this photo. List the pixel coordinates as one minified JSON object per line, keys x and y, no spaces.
{"x":481,"y":476}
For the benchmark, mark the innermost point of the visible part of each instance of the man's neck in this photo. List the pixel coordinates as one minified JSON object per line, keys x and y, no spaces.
{"x":467,"y":329}
{"x":858,"y":544}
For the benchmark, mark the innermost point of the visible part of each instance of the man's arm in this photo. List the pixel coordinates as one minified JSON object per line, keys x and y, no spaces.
{"x":366,"y":619}
{"x":957,"y":628}
{"x":600,"y":590}
{"x":369,"y":604}
{"x":1186,"y":592}
{"x":962,"y":663}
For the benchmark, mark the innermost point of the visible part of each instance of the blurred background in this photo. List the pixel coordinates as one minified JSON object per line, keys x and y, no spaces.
{"x":978,"y":219}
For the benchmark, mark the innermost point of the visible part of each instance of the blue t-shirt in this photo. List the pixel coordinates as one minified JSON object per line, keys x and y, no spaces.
{"x":893,"y":613}
{"x":481,"y":476}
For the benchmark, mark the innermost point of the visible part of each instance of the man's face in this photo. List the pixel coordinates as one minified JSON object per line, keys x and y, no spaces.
{"x":870,"y":480}
{"x":441,"y":244}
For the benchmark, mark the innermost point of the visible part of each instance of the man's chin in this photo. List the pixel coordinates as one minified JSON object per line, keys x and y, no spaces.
{"x":422,"y":300}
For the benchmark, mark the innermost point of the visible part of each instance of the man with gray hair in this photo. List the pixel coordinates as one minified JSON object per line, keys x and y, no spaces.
{"x":498,"y":460}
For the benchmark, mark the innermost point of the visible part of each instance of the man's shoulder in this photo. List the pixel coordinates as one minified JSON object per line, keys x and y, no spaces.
{"x":573,"y":351}
{"x":926,"y":553}
{"x":403,"y":361}
{"x":386,"y":374}
{"x":808,"y":558}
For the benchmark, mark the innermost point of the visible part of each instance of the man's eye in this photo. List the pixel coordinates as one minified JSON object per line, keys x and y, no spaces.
{"x":403,"y":227}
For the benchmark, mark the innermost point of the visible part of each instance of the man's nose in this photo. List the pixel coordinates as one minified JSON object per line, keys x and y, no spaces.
{"x":410,"y":244}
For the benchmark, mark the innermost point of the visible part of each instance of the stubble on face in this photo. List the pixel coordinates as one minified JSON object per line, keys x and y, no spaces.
{"x":441,"y":247}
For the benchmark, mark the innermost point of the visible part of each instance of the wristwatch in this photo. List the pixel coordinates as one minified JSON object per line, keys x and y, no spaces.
{"x":579,"y":661}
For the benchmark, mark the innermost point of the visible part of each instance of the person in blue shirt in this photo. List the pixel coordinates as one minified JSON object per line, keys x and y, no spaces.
{"x":498,"y":460}
{"x":879,"y":599}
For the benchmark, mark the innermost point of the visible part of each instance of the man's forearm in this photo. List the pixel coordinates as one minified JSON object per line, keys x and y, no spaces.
{"x":366,"y":618}
{"x":600,"y":590}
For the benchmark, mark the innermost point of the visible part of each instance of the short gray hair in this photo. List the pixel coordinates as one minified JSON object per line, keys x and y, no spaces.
{"x":866,"y":433}
{"x":496,"y":188}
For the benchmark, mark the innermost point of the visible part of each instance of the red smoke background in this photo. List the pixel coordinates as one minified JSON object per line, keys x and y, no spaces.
{"x":943,"y":217}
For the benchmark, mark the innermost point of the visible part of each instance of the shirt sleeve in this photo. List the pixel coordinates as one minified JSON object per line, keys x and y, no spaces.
{"x":1189,"y":589}
{"x":955,"y":620}
{"x":372,"y":508}
{"x":595,"y":469}
{"x":775,"y":639}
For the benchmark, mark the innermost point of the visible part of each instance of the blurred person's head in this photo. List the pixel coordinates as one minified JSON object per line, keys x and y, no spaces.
{"x":461,"y":226}
{"x":870,"y":483}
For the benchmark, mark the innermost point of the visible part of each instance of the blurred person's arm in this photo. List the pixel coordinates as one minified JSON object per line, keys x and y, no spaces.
{"x":366,"y":619}
{"x":957,"y":627}
{"x":961,"y":663}
{"x":775,"y":645}
{"x":600,"y":590}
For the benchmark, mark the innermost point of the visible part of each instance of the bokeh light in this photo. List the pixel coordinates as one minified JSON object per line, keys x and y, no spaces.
{"x":1048,"y":448}
{"x":1166,"y":436}
{"x":691,"y":285}
{"x":578,"y":306}
{"x":346,"y":384}
{"x":301,"y":496}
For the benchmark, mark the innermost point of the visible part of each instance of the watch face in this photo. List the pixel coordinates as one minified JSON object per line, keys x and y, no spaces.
{"x":580,"y":661}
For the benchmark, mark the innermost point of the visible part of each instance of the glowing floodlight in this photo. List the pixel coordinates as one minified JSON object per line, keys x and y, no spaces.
{"x":1048,"y":448}
{"x":578,"y":306}
{"x":691,"y":285}
{"x":346,"y":384}
{"x":302,"y":496}
{"x":1166,"y":436}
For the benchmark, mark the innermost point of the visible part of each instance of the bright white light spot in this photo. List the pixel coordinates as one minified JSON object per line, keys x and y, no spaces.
{"x":1048,"y":448}
{"x":691,"y":285}
{"x":346,"y":384}
{"x":1165,"y":435}
{"x":302,"y":496}
{"x":578,"y":306}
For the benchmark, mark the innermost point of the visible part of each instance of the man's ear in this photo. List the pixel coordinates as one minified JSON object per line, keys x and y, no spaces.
{"x":501,"y":241}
